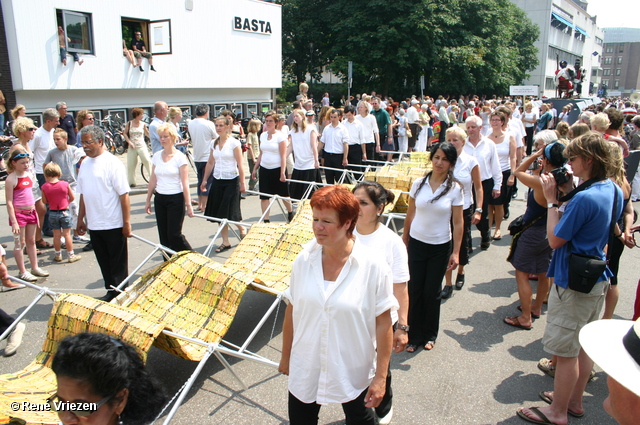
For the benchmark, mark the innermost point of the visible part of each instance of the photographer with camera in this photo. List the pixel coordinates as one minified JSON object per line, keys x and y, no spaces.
{"x":530,"y":251}
{"x":578,"y":267}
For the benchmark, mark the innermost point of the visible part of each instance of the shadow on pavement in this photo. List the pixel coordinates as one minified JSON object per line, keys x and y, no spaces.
{"x":496,"y":288}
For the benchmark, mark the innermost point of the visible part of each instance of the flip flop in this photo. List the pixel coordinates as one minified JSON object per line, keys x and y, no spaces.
{"x":223,"y":248}
{"x":411,"y":348}
{"x":513,"y":321}
{"x":431,"y":343}
{"x":549,"y":400}
{"x":535,"y":316}
{"x":544,"y":420}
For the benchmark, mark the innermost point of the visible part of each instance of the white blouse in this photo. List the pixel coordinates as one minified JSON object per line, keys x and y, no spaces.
{"x":271,"y":150}
{"x":432,"y":222}
{"x":334,"y":330}
{"x":226,"y":167}
{"x":370,"y":127}
{"x":462,"y":172}
{"x":168,"y":173}
{"x":302,"y":151}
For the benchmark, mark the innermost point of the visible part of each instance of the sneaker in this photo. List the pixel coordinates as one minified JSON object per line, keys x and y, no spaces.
{"x":386,"y":419}
{"x":39,"y":272}
{"x":27,"y":277}
{"x":73,"y":258}
{"x":58,"y":258}
{"x":14,"y":340}
{"x":81,"y":239}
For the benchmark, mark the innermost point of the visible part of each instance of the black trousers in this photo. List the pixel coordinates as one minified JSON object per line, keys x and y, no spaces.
{"x":371,"y":151}
{"x":355,"y":157}
{"x":467,"y":216}
{"x":483,"y":225}
{"x":427,"y":266}
{"x":529,"y":131}
{"x":443,"y":131}
{"x":110,"y":248}
{"x":333,"y":160}
{"x":301,"y":413}
{"x":169,"y":217}
{"x":5,"y":321}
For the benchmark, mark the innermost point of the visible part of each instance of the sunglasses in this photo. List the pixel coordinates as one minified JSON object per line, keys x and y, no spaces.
{"x":79,"y":409}
{"x":20,"y":156}
{"x":31,"y":129}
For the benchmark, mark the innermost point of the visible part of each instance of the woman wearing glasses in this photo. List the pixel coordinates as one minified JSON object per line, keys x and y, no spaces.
{"x":107,"y":374}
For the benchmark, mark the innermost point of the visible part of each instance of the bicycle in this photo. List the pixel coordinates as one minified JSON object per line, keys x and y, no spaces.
{"x":114,"y":140}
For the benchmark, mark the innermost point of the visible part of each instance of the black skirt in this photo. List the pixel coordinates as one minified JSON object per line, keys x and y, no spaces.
{"x":505,"y":190}
{"x":224,"y":200}
{"x":298,"y":189}
{"x":269,"y":180}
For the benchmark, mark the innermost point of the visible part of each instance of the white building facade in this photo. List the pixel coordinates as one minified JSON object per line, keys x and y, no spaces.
{"x":223,"y":53}
{"x":567,"y":32}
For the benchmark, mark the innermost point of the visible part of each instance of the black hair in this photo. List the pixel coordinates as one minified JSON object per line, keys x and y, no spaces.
{"x":378,"y":194}
{"x":202,"y":109}
{"x":554,"y":153}
{"x":110,"y":365}
{"x":350,"y":108}
{"x":296,"y":105}
{"x":451,"y":153}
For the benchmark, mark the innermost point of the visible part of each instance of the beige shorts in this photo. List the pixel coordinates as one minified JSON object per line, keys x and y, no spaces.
{"x":568,"y":312}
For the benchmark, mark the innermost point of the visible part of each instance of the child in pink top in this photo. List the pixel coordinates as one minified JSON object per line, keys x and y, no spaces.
{"x":22,"y":213}
{"x":58,"y":194}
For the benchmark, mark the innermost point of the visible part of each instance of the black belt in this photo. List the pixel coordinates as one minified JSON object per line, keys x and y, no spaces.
{"x":330,"y":153}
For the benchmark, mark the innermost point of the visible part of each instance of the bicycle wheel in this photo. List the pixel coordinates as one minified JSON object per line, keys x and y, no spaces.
{"x":143,"y":173}
{"x":119,"y":144}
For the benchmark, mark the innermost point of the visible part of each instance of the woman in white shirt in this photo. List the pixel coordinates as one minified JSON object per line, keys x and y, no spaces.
{"x":134,"y":133}
{"x":337,"y":327}
{"x":467,"y":172}
{"x":373,"y":198}
{"x":370,"y":131}
{"x":506,"y":147}
{"x":170,"y":183}
{"x":434,"y":201}
{"x":272,"y":165}
{"x":529,"y":119}
{"x":225,"y":161}
{"x":303,"y":143}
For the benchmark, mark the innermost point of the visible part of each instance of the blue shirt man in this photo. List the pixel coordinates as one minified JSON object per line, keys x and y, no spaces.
{"x":160,"y":110}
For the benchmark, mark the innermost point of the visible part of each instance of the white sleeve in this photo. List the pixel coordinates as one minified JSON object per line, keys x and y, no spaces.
{"x":496,"y":171}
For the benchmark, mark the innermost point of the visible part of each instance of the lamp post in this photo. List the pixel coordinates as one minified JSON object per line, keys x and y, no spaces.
{"x":311,"y":63}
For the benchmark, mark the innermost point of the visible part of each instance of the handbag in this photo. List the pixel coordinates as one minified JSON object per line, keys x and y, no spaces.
{"x":585,"y":270}
{"x":409,"y":134}
{"x":516,"y":225}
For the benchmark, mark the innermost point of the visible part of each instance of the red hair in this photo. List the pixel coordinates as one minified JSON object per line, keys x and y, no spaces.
{"x":339,"y":199}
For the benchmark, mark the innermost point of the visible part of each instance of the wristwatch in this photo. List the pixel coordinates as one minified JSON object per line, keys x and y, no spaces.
{"x":479,"y":210}
{"x":401,"y":327}
{"x":551,"y":205}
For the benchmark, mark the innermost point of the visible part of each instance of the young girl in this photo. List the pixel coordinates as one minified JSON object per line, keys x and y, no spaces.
{"x":58,"y":194}
{"x":22,"y":212}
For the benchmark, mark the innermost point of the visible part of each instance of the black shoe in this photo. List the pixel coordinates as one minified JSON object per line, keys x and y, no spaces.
{"x":141,"y":70}
{"x":109,"y":296}
{"x":88,"y":247}
{"x":485,"y":245}
{"x":153,"y":69}
{"x":446,"y":293}
{"x":459,"y":281}
{"x":290,"y":216}
{"x":506,"y":215}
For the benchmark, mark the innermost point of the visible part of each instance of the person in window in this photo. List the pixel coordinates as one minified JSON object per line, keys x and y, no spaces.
{"x":128,"y":54}
{"x":62,"y":39}
{"x":140,"y":51}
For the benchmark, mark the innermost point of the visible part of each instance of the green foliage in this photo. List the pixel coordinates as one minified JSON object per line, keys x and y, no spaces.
{"x":460,"y":46}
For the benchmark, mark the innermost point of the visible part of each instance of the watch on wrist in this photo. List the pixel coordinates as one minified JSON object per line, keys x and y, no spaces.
{"x":401,"y":327}
{"x":551,"y":205}
{"x":479,"y":210}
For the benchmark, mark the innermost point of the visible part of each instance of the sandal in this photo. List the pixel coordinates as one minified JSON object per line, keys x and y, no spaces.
{"x":223,"y":248}
{"x":547,"y":397}
{"x":546,"y":366}
{"x":429,"y":345}
{"x":533,"y":315}
{"x":515,"y":322}
{"x":411,"y":348}
{"x":543,"y":419}
{"x":43,"y":244}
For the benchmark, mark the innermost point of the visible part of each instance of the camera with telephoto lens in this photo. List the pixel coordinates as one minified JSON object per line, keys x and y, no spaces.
{"x":561,"y":175}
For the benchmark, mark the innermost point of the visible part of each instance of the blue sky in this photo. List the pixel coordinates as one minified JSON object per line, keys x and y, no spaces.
{"x":615,"y":13}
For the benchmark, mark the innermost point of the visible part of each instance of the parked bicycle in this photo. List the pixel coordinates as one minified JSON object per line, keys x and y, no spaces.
{"x":114,"y":138}
{"x":145,"y":177}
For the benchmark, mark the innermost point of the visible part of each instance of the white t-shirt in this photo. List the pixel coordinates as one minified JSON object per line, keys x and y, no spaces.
{"x":530,"y":116}
{"x":334,"y":138}
{"x":412,"y":115}
{"x":503,"y":150}
{"x":101,"y":181}
{"x":486,"y":154}
{"x":464,"y":165}
{"x":271,"y":150}
{"x":391,"y":247}
{"x":168,"y":173}
{"x":226,"y":167}
{"x":302,"y":148}
{"x":203,"y":133}
{"x":517,"y":129}
{"x":40,"y":145}
{"x":369,"y":126}
{"x":356,"y":132}
{"x":432,"y":222}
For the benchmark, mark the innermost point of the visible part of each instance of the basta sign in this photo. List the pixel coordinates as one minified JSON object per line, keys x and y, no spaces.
{"x":252,"y":25}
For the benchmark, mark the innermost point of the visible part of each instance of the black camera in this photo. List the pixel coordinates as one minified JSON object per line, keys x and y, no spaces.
{"x":561,"y":175}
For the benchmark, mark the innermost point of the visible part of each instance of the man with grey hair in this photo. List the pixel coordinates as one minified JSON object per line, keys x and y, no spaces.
{"x":160,"y":110}
{"x":202,"y":132}
{"x":585,"y":117}
{"x":104,"y":204}
{"x":67,"y":123}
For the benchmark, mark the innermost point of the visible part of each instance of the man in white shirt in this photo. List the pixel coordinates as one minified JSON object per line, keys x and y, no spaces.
{"x":335,"y":142}
{"x":484,"y":150}
{"x":203,"y":133}
{"x":554,"y":113}
{"x":413,"y":118}
{"x":443,"y":116}
{"x":356,"y":139}
{"x":160,"y":110}
{"x":104,"y":203}
{"x":40,"y":145}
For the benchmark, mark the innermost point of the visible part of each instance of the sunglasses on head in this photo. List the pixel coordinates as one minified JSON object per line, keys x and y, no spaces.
{"x":21,"y":155}
{"x":79,"y":409}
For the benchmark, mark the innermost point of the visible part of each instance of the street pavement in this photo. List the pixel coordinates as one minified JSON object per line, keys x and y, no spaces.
{"x":479,"y":372}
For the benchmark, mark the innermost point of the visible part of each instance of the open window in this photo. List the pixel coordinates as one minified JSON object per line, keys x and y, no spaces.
{"x":155,"y":34}
{"x":78,"y":30}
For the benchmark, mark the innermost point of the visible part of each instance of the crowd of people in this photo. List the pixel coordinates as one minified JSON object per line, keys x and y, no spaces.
{"x":579,"y":216}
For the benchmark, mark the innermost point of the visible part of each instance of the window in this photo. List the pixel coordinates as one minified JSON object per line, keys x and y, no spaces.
{"x":607,"y":60}
{"x":620,"y":60}
{"x":594,"y":72}
{"x":549,"y":84}
{"x":605,"y":83}
{"x":78,"y":30}
{"x":616,"y":84}
{"x":609,"y":48}
{"x":156,"y":35}
{"x":621,"y":48}
{"x":617,"y":71}
{"x":607,"y":71}
{"x":599,"y":41}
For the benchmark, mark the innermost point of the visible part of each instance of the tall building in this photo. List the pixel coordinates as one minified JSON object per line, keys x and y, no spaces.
{"x":567,"y":32}
{"x":621,"y":61}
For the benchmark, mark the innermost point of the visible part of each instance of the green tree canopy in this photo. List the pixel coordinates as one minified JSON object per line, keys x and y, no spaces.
{"x":459,"y":46}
